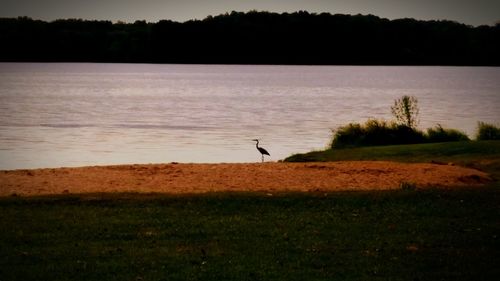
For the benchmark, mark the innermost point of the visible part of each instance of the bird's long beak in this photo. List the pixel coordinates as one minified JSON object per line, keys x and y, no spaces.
{"x":255,"y":140}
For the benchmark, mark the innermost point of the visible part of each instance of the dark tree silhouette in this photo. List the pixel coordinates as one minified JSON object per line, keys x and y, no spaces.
{"x":253,"y":38}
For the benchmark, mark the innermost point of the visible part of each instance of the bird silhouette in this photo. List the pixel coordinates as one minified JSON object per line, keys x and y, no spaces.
{"x":261,"y":150}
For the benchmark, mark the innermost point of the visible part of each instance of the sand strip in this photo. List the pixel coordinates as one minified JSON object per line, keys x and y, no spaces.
{"x":266,"y":177}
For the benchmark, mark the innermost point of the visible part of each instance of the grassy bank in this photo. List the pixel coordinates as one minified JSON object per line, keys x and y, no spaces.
{"x":483,"y":155}
{"x":398,"y":235}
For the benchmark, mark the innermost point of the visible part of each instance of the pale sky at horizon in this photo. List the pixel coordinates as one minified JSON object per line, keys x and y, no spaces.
{"x":472,"y":12}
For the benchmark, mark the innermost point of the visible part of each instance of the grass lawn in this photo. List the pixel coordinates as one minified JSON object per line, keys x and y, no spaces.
{"x":397,"y":235}
{"x":391,"y":235}
{"x":483,"y":155}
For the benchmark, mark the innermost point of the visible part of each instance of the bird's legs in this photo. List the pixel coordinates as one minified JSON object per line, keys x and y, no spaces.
{"x":262,"y":158}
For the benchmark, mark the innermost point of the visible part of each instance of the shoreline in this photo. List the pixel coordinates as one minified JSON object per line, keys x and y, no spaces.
{"x":269,"y":177}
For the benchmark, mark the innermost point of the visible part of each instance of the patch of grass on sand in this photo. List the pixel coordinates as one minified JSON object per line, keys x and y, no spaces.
{"x":483,"y":155}
{"x":396,"y":235}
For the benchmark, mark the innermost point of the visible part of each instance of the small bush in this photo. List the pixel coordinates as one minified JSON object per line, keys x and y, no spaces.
{"x":408,"y":186}
{"x":487,"y":132}
{"x":374,"y":133}
{"x":439,"y":134}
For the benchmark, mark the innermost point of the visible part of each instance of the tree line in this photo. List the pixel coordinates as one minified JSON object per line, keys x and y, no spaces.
{"x":253,"y":38}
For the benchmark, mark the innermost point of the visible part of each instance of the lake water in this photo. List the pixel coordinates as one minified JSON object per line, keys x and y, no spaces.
{"x":68,"y":114}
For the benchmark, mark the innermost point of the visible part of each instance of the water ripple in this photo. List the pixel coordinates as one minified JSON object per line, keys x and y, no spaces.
{"x":73,"y":114}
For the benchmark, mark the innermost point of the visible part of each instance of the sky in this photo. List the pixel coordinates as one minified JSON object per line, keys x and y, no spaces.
{"x":471,"y":12}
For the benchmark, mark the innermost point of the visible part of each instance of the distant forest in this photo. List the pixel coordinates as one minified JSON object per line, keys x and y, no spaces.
{"x":253,"y":38}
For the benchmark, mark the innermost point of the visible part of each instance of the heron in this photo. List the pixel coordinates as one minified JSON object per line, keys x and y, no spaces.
{"x":261,"y":150}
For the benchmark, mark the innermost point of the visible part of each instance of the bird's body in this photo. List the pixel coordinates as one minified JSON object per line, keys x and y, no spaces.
{"x":261,"y":149}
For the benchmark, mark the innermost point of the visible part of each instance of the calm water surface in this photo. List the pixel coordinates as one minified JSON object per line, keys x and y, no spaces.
{"x":55,"y":115}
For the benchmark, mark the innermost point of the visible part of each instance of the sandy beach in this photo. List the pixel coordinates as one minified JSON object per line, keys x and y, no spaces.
{"x":263,"y":177}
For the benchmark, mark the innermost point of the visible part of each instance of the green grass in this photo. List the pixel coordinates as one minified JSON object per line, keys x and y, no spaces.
{"x":397,"y":235}
{"x":483,"y":155}
{"x":407,"y":153}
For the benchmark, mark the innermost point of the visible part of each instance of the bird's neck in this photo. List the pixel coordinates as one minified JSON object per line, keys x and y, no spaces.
{"x":257,"y":144}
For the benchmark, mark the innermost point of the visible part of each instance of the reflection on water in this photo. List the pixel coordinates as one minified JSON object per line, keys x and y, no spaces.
{"x":87,"y":114}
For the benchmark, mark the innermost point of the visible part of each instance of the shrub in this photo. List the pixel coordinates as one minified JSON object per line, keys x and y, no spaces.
{"x":375,"y":132}
{"x":408,"y":186}
{"x":487,"y":132}
{"x":348,"y":135}
{"x":439,"y":134}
